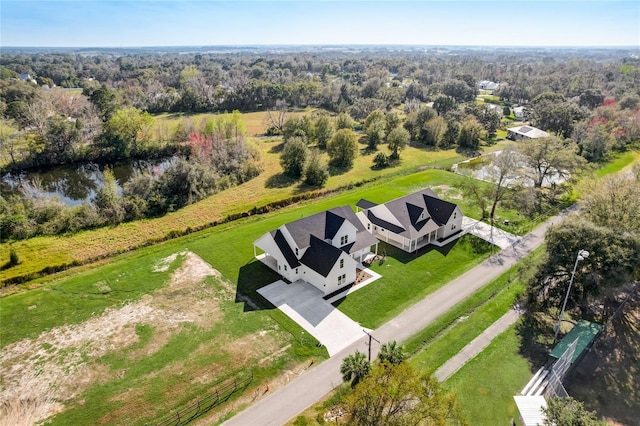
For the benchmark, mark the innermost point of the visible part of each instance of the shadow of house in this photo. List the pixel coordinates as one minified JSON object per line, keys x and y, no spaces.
{"x":253,"y":276}
{"x":405,"y":257}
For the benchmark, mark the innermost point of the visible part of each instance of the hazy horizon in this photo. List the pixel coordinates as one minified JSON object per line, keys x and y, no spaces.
{"x":140,"y":24}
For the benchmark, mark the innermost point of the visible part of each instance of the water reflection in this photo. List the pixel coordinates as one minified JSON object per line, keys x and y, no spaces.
{"x":76,"y":184}
{"x":482,"y":168}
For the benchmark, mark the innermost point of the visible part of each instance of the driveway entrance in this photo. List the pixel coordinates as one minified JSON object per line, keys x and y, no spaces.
{"x":304,"y":304}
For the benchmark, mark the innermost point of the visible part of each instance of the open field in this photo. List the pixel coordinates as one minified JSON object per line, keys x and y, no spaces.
{"x":256,"y":123}
{"x":130,"y":342}
{"x":485,"y":386}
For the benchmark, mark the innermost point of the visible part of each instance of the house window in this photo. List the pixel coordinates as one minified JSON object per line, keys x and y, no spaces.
{"x":296,"y":271}
{"x":342,"y":279}
{"x":285,"y":268}
{"x":344,"y":240}
{"x":296,"y":251}
{"x":342,"y":263}
{"x":455,"y":214}
{"x":368,"y":226}
{"x":453,"y":226}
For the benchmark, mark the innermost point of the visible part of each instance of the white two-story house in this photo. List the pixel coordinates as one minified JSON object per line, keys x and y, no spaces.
{"x":412,"y":221}
{"x":323,"y":250}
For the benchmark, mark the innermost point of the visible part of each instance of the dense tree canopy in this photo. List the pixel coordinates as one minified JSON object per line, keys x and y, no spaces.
{"x":399,"y":395}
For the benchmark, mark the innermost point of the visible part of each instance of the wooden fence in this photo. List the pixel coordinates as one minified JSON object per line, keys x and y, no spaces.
{"x":222,"y":392}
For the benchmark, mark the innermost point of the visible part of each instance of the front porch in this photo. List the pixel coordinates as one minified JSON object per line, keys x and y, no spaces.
{"x":268,"y":260}
{"x":411,"y":246}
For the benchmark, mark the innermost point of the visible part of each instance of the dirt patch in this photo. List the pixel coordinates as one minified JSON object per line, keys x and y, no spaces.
{"x":446,"y":191}
{"x":59,"y":361}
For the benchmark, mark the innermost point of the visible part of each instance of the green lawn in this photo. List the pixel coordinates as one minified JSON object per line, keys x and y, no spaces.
{"x":466,"y":328}
{"x":407,"y":278}
{"x":486,"y":385}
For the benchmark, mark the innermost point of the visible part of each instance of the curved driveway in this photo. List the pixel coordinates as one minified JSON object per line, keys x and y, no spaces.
{"x":288,"y":401}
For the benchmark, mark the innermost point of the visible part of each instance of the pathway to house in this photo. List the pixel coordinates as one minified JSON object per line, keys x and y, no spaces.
{"x":476,"y":346}
{"x":287,"y":402}
{"x":489,"y":233}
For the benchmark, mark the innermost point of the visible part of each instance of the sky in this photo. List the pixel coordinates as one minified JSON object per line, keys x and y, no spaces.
{"x":93,"y":23}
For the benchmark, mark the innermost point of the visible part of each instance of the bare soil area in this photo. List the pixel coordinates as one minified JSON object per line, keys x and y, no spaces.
{"x":39,"y":375}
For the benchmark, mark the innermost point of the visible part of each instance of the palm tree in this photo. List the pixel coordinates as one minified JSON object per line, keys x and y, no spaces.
{"x":391,"y":352}
{"x":354,"y":367}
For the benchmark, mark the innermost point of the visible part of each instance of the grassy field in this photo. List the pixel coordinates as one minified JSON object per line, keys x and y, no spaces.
{"x":485,"y":386}
{"x":449,"y":333}
{"x":407,"y":278}
{"x":256,"y":123}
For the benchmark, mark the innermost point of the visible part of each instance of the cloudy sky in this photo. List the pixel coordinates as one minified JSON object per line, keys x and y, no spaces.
{"x":425,"y":22}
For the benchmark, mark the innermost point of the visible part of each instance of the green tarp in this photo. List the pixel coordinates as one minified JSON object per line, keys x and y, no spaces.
{"x":584,"y":331}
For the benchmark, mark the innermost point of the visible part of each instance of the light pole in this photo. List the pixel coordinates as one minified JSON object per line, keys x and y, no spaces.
{"x":582,"y":254}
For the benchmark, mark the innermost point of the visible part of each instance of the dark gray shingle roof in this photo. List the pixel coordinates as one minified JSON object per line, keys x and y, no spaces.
{"x":320,"y":256}
{"x":284,"y":247}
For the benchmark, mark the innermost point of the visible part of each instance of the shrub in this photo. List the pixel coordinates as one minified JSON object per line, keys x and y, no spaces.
{"x":13,"y":257}
{"x":381,"y":160}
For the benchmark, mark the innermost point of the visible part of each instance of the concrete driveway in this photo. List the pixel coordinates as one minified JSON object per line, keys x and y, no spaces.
{"x":304,"y":304}
{"x":489,"y":233}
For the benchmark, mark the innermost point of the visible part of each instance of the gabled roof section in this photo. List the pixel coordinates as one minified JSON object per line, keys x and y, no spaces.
{"x":322,"y":225}
{"x":349,"y":216}
{"x":333,"y":222}
{"x":365,"y":204}
{"x":414,"y":213}
{"x":439,"y":209}
{"x":320,"y":256}
{"x":285,"y":249}
{"x":384,"y":224}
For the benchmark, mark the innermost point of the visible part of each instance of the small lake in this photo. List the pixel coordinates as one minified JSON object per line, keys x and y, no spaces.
{"x":76,"y":184}
{"x":482,"y":168}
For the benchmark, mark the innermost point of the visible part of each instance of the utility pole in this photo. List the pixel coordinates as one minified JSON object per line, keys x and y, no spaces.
{"x":370,"y":338}
{"x":582,"y":255}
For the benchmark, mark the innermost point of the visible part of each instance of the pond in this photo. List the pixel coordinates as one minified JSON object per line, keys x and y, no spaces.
{"x":76,"y":184}
{"x":482,"y":168}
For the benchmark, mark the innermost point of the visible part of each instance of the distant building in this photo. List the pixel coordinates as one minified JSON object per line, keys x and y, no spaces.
{"x":518,"y":112}
{"x":488,"y":85}
{"x":525,"y":132}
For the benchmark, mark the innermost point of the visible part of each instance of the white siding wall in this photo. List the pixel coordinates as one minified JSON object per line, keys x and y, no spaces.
{"x":349,"y":270}
{"x":453,"y":225}
{"x":346,"y":229}
{"x":269,"y":246}
{"x":330,"y":283}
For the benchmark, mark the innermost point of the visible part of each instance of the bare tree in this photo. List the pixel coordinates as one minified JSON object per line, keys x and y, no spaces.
{"x":504,"y":173}
{"x":278,"y":116}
